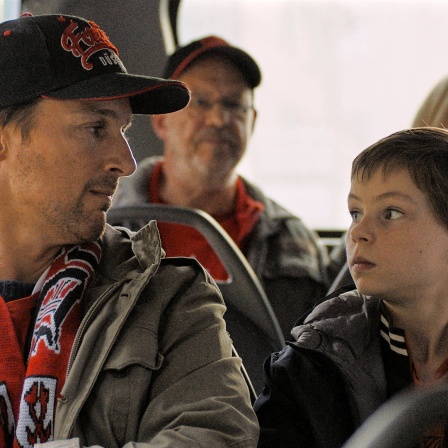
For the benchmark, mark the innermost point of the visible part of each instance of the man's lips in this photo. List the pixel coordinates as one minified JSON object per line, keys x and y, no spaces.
{"x":103,"y":192}
{"x":104,"y":196}
{"x":217,"y":140}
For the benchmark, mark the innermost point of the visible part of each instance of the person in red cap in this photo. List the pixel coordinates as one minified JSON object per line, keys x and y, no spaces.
{"x":104,"y":341}
{"x":203,"y":145}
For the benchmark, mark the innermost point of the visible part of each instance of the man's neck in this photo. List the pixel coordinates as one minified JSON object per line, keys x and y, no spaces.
{"x":25,"y":251}
{"x":216,"y":199}
{"x":23,"y":263}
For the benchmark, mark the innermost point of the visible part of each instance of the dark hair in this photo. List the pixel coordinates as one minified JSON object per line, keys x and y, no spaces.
{"x":423,"y":152}
{"x":20,"y":114}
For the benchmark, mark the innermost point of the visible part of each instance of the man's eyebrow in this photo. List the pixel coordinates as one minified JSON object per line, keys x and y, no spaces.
{"x":102,"y":111}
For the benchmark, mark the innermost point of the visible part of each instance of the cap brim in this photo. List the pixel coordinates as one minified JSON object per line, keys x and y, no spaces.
{"x":148,"y":95}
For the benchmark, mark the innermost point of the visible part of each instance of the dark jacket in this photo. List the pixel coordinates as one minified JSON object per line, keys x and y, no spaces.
{"x":323,"y":385}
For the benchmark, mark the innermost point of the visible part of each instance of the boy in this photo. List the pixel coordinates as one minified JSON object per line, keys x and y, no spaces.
{"x":361,"y":346}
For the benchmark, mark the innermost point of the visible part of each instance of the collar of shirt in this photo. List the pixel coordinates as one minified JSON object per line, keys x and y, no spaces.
{"x":397,"y":362}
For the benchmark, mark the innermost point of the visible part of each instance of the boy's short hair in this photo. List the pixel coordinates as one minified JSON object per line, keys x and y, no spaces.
{"x":423,"y":152}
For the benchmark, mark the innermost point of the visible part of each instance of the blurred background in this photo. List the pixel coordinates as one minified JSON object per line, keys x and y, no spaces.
{"x":337,"y":76}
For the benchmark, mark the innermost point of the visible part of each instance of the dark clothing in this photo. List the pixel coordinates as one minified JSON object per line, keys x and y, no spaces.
{"x":323,"y":385}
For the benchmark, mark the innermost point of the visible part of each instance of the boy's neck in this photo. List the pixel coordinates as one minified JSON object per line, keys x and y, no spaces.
{"x":426,"y":332}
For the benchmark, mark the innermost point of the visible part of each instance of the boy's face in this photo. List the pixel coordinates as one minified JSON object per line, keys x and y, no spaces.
{"x":396,"y":248}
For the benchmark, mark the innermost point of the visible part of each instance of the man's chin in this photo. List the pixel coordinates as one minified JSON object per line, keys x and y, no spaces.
{"x":93,"y":228}
{"x":99,"y":229}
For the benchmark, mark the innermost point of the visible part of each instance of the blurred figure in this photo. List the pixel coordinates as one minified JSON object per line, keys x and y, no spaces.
{"x":203,"y":145}
{"x":434,"y":109}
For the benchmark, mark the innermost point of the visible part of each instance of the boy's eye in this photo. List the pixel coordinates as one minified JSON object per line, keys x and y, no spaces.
{"x":354,"y":214}
{"x":393,"y":214}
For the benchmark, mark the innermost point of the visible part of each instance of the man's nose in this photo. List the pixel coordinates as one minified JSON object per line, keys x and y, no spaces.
{"x":121,"y":160}
{"x":218,"y":115}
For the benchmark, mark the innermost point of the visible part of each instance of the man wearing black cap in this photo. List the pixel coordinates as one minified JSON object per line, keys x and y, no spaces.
{"x":104,"y":341}
{"x":203,"y":145}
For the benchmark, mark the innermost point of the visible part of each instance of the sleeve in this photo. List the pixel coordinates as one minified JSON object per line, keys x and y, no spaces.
{"x":304,"y":403}
{"x":278,"y":413}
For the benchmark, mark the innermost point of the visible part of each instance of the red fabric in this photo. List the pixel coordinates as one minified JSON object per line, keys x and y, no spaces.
{"x":21,"y":312}
{"x":12,"y":375}
{"x":434,"y":436}
{"x":180,"y":240}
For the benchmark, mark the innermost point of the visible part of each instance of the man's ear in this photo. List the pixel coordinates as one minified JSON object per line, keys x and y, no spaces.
{"x":254,"y":120}
{"x":3,"y":143}
{"x":159,"y":125}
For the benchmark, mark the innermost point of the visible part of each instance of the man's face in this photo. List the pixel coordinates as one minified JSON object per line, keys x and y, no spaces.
{"x":208,"y":138}
{"x":58,"y":182}
{"x":396,"y":248}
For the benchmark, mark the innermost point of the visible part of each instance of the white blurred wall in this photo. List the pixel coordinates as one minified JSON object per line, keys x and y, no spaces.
{"x":9,"y":9}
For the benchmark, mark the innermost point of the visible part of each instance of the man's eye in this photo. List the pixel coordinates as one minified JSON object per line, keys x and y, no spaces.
{"x":97,"y":130}
{"x":202,"y":103}
{"x":232,"y":105}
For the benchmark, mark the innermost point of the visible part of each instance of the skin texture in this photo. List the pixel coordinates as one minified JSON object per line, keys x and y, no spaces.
{"x":58,"y":183}
{"x":397,"y":250}
{"x":203,"y":148}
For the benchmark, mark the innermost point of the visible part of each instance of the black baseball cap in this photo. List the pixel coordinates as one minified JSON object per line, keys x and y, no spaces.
{"x":183,"y":57}
{"x":68,"y":57}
